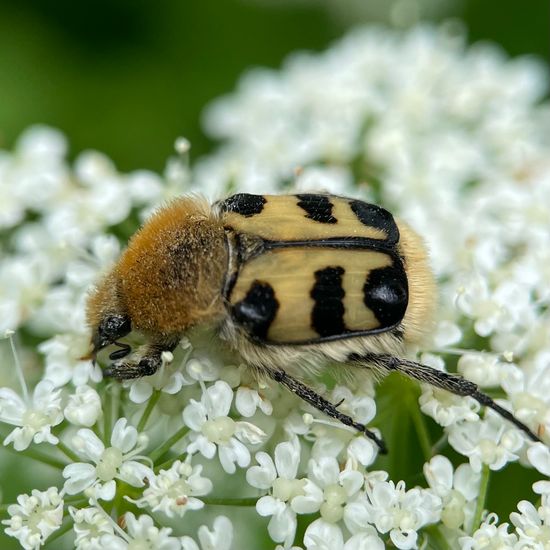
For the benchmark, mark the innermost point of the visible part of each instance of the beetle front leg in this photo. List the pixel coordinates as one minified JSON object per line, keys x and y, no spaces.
{"x":146,"y":364}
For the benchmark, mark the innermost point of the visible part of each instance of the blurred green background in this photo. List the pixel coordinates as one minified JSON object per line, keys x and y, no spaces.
{"x":127,"y":77}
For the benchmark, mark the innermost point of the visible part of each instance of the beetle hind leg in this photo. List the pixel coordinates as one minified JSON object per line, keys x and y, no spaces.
{"x":321,"y":404}
{"x":447,"y":381}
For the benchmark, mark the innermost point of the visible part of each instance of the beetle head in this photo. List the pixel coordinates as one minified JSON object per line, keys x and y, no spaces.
{"x":107,"y":317}
{"x":110,"y":328}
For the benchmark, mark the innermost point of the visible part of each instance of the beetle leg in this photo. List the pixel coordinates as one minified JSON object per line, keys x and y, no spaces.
{"x":447,"y":381}
{"x":320,"y":403}
{"x":126,"y":370}
{"x":146,"y":364}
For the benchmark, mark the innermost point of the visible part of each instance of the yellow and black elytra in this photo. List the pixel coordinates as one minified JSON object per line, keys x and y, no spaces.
{"x":289,"y":281}
{"x":348,"y":278}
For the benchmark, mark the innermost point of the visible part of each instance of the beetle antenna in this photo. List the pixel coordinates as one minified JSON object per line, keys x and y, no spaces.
{"x":120,"y":353}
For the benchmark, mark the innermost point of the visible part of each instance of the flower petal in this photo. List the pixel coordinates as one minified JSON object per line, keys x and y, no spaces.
{"x":539,"y":457}
{"x":79,"y":476}
{"x":321,"y":535}
{"x":221,"y":536}
{"x":194,"y":415}
{"x":263,"y":475}
{"x":140,"y":391}
{"x":267,"y":506}
{"x":124,"y":437}
{"x":282,"y":526}
{"x":88,"y":444}
{"x":217,"y":399}
{"x":287,"y":458}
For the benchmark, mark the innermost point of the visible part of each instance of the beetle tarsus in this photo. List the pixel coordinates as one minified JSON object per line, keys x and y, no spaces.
{"x":127,"y":370}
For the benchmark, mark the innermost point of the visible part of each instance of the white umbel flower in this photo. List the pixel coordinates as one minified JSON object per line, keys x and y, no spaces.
{"x":288,"y":494}
{"x":457,"y":489}
{"x":214,"y":430}
{"x":539,"y":456}
{"x":248,"y":400}
{"x":391,"y":508}
{"x":84,"y":407}
{"x":63,"y":358}
{"x":491,"y":441}
{"x":90,"y":524}
{"x":203,"y":367}
{"x":484,"y":369}
{"x":35,"y":419}
{"x":174,"y":491}
{"x":338,"y":486}
{"x":219,"y":538}
{"x":35,"y":517}
{"x":140,"y":533}
{"x":108,"y":463}
{"x":529,"y":390}
{"x":533,"y":524}
{"x":491,"y":536}
{"x":321,"y":535}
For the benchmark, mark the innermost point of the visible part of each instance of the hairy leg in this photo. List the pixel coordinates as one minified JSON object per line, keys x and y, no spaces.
{"x":146,"y":364}
{"x":444,"y":380}
{"x":320,"y":403}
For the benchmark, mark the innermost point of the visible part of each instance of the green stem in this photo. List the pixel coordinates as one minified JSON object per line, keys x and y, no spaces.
{"x":437,"y":539}
{"x":74,"y":500}
{"x":65,"y":527}
{"x":19,"y":370}
{"x":167,"y":445}
{"x":242,"y":502}
{"x":97,"y":430}
{"x":480,"y":504}
{"x":38,"y":456}
{"x":68,"y":453}
{"x":148,"y":410}
{"x":439,"y":444}
{"x":421,"y":431}
{"x":117,"y":501}
{"x":108,"y":414}
{"x":121,"y":399}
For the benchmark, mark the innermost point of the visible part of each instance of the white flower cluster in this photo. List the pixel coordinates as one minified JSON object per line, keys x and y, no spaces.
{"x":453,"y":140}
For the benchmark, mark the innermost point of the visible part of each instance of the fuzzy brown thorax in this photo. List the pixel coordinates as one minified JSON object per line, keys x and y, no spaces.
{"x":171,"y":275}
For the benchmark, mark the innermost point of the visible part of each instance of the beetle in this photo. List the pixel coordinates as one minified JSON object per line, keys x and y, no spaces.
{"x":290,"y":282}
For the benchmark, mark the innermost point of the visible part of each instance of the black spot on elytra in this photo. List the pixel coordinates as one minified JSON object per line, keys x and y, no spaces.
{"x":327,"y":315}
{"x":245,"y":204}
{"x":386,"y":294}
{"x":257,"y":310}
{"x":377,"y":217}
{"x":318,"y":208}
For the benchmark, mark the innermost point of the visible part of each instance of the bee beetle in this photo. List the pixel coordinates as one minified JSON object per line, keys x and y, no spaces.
{"x":288,"y":281}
